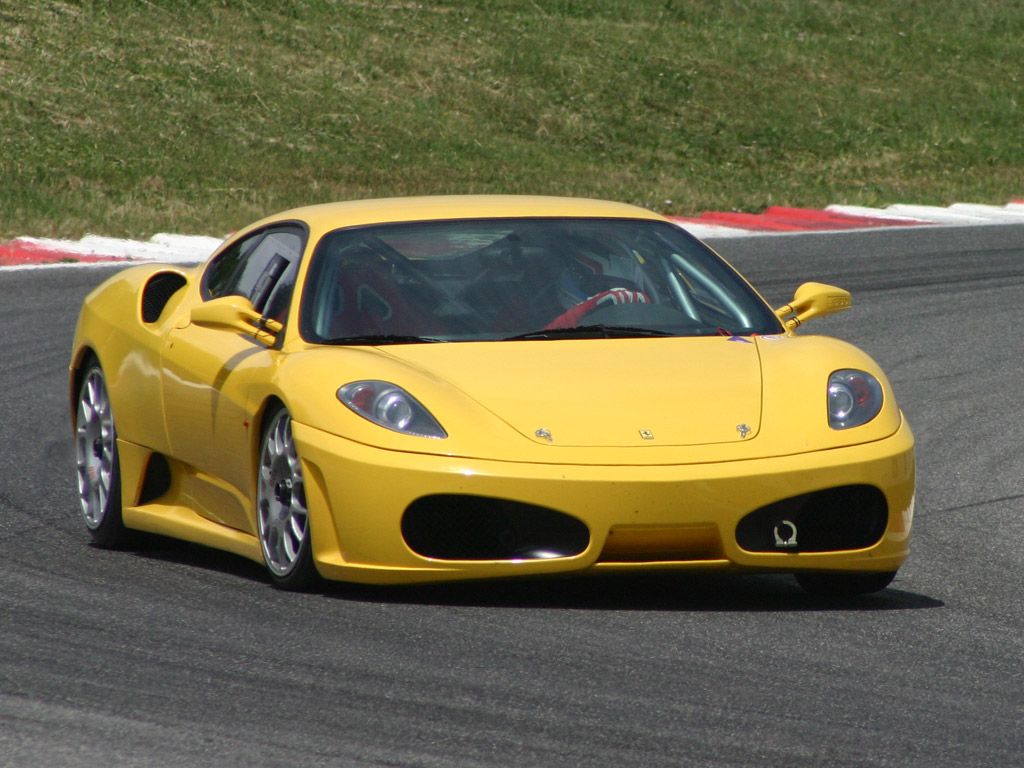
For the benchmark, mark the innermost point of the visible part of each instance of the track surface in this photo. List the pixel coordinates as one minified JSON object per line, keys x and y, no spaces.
{"x":175,"y":655}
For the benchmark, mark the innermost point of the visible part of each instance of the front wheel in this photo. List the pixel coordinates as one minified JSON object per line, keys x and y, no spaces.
{"x":281,"y":514}
{"x":844,"y":584}
{"x":99,"y":472}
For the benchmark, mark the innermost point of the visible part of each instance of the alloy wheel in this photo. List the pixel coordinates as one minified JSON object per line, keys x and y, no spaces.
{"x":282,"y":516}
{"x":95,"y":449}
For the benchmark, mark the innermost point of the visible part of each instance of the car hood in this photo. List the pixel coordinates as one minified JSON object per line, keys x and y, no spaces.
{"x":607,"y":392}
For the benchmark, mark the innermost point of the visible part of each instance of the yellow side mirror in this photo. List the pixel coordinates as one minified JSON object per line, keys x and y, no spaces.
{"x":235,"y":313}
{"x":813,"y":300}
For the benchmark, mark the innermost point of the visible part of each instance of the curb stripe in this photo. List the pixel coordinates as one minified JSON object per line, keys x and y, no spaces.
{"x":780,"y":219}
{"x":92,"y":249}
{"x":19,"y":253}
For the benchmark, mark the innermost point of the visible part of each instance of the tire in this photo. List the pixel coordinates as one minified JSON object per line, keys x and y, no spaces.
{"x":282,"y":518}
{"x":844,"y":584}
{"x":98,"y":468}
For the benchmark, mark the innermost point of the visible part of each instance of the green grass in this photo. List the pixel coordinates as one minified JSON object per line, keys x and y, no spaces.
{"x":128,"y":118}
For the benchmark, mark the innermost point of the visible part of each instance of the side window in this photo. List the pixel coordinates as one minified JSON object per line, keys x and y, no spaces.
{"x":258,"y":267}
{"x":286,"y":244}
{"x":217,"y":281}
{"x":276,"y":306}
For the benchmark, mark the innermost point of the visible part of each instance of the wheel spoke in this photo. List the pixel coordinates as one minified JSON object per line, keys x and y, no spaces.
{"x":297,"y":523}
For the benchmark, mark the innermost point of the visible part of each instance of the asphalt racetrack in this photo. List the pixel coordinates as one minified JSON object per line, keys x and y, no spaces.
{"x":174,"y":655}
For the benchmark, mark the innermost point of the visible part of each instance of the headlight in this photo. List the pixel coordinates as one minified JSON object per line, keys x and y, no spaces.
{"x":854,"y":398}
{"x":391,"y":407}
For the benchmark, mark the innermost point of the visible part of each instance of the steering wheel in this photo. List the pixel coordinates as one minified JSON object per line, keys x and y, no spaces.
{"x":572,"y":316}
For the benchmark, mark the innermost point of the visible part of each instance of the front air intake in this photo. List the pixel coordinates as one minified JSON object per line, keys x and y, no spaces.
{"x":461,"y":527}
{"x":847,"y":517}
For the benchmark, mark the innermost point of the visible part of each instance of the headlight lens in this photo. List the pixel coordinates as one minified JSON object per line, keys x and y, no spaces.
{"x":854,"y":398}
{"x":391,"y":407}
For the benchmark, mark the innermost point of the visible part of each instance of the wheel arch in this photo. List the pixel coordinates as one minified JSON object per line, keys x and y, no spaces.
{"x":270,"y":405}
{"x":80,"y":361}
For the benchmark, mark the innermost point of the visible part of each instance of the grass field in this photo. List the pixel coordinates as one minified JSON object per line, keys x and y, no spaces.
{"x":128,"y":118}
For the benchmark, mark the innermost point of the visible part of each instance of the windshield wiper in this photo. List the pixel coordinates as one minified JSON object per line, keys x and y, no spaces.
{"x":375,"y":339}
{"x":590,"y":332}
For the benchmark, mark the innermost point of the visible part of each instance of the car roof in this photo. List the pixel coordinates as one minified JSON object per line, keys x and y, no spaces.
{"x":330,"y":216}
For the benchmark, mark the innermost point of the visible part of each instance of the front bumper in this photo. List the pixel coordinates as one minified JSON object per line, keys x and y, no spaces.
{"x":357,"y":495}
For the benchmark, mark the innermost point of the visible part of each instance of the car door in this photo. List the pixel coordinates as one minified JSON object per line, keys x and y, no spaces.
{"x":209,"y":373}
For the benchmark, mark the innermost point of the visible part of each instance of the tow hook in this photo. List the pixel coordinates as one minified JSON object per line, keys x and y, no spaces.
{"x":784,"y":532}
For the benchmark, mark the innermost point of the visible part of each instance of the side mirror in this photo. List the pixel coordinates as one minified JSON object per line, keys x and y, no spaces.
{"x":235,"y":313}
{"x":813,"y":300}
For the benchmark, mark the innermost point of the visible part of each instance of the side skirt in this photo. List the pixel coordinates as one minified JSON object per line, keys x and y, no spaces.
{"x":169,"y":503}
{"x":182,"y":523}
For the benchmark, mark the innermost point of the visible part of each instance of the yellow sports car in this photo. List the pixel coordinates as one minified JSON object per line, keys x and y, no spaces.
{"x":441,"y":388}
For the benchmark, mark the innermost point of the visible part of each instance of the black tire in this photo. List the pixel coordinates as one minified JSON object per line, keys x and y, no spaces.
{"x":844,"y":584}
{"x":282,"y":517}
{"x":97,"y":464}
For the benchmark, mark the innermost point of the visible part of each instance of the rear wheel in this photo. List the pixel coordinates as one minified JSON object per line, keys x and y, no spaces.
{"x":844,"y":584}
{"x":99,"y":474}
{"x":281,"y":514}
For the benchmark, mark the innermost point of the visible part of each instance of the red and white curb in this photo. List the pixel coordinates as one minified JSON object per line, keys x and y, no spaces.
{"x":778,"y":219}
{"x":34,"y":253}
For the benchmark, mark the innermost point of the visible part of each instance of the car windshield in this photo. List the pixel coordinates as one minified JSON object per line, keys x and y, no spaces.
{"x":522,"y":279}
